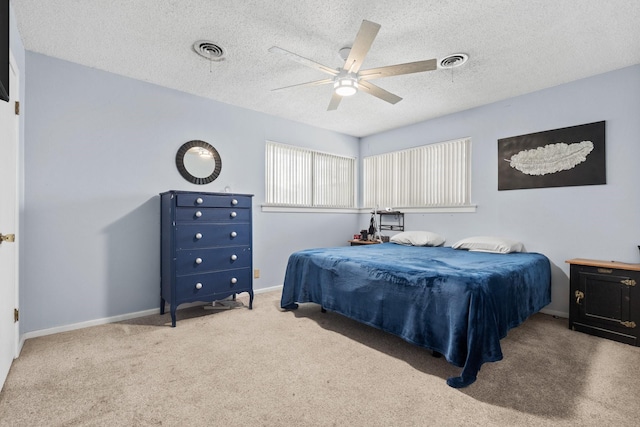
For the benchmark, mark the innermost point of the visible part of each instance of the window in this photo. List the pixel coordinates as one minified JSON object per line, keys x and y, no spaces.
{"x":305,"y":178}
{"x":435,"y":175}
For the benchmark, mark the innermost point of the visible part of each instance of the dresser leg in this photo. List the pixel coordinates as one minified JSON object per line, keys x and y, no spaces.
{"x":162,"y":302}
{"x":173,"y":317}
{"x":250,"y":300}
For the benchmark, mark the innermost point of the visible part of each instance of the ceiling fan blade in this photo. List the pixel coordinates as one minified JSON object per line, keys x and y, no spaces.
{"x":335,"y":101}
{"x":314,"y":83}
{"x":399,"y":69}
{"x":361,"y":45}
{"x":304,"y":61}
{"x":378,"y":92}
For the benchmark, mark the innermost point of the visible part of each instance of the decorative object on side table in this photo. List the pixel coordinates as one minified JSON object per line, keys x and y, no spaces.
{"x":391,"y":220}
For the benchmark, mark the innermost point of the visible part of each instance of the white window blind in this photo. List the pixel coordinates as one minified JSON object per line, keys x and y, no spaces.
{"x":300,"y":177}
{"x":435,"y":175}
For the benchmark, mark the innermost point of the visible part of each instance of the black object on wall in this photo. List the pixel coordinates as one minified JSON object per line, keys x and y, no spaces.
{"x":555,"y":158}
{"x":4,"y":50}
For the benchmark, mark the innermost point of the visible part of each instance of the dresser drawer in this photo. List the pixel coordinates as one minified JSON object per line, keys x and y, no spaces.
{"x":203,"y":260}
{"x":191,"y":236}
{"x":213,"y":201}
{"x":213,"y":214}
{"x":206,"y":285}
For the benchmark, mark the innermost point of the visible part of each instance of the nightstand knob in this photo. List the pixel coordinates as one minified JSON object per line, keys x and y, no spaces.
{"x":198,"y":260}
{"x":234,"y":214}
{"x":199,"y":200}
{"x":198,"y":236}
{"x":234,"y":280}
{"x":234,"y":202}
{"x":234,"y":234}
{"x":198,"y":285}
{"x":198,"y":214}
{"x":234,"y":257}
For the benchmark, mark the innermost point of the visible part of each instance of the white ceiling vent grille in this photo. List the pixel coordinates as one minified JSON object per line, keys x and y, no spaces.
{"x":454,"y":60}
{"x":209,"y":50}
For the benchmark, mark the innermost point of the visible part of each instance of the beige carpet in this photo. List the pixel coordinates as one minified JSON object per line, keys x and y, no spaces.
{"x":266,"y":367}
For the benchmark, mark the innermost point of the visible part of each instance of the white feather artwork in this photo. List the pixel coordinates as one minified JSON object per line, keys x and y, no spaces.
{"x":551,"y":158}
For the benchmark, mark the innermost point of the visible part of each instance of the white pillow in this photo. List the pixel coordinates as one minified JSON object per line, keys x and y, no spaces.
{"x":417,"y":238}
{"x":489,"y":244}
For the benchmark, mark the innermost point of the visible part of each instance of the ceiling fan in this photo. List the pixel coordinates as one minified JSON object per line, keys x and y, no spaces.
{"x":350,"y":79}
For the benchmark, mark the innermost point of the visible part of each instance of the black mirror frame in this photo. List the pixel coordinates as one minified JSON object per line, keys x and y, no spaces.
{"x":183,"y":170}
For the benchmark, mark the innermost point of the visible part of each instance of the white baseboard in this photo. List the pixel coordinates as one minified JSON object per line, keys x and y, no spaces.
{"x":113,"y":319}
{"x":265,"y":290}
{"x":89,"y":323}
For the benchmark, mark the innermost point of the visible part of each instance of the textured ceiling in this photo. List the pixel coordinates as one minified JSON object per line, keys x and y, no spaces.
{"x":514,"y":47}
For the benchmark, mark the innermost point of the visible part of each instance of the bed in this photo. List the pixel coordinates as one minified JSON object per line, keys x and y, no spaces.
{"x":457,"y":303}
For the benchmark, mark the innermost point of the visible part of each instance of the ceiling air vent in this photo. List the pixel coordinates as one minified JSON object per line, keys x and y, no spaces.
{"x":454,"y":60}
{"x":209,"y":50}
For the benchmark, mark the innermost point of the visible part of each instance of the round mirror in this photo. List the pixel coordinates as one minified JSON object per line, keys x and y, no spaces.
{"x":198,"y":162}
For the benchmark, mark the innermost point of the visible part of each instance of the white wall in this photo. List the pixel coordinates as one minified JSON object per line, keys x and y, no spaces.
{"x":99,"y":150}
{"x":599,"y":222}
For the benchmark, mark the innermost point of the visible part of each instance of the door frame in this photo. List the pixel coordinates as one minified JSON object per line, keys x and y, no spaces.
{"x":14,"y":90}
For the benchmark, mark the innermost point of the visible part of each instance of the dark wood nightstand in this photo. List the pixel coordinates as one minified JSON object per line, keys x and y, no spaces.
{"x":604,"y":299}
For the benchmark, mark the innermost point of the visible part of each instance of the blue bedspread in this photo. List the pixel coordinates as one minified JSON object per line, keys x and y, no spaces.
{"x":455,"y":302}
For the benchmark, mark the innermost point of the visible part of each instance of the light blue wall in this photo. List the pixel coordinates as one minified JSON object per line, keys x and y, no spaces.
{"x":599,"y":222}
{"x":100,"y":147}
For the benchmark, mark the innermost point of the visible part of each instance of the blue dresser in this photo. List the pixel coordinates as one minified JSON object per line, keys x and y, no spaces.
{"x":205,"y":247}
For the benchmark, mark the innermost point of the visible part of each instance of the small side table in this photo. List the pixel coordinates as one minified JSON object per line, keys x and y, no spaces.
{"x":605,"y":299}
{"x":363,"y":242}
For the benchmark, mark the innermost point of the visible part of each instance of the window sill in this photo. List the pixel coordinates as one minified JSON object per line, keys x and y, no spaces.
{"x":438,"y":209}
{"x":300,"y":209}
{"x":311,"y":209}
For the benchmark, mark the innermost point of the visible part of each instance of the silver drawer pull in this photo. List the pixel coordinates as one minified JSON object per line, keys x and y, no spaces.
{"x":199,"y":200}
{"x":198,"y":214}
{"x":198,"y":285}
{"x":198,"y":236}
{"x":234,"y":257}
{"x":198,"y":260}
{"x":234,"y":234}
{"x":234,"y":214}
{"x":234,"y":202}
{"x":234,"y":280}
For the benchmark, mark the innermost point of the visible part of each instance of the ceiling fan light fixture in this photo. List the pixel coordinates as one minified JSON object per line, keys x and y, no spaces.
{"x":345,"y":86}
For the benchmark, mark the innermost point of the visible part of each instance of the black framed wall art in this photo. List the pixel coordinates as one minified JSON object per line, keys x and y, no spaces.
{"x":554,"y":158}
